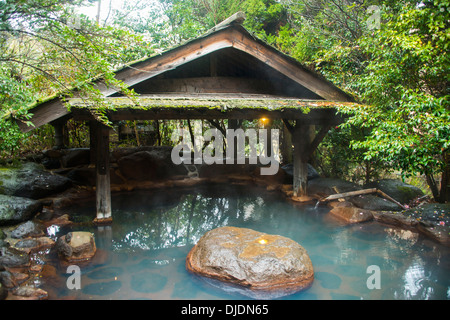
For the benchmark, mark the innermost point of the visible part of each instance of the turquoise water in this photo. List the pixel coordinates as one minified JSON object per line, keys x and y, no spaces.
{"x":142,"y":254}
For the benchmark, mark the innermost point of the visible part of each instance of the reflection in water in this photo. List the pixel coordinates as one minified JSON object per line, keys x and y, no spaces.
{"x":146,"y":246}
{"x":181,"y":223}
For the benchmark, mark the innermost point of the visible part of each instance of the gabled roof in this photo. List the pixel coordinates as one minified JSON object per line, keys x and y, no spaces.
{"x":229,"y":35}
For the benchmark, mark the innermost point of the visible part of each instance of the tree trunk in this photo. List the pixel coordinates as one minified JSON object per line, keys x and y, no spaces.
{"x":444,"y":194}
{"x":433,"y":187}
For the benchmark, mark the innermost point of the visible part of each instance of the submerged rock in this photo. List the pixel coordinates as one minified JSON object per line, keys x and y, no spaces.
{"x":352,"y":214}
{"x":76,"y":246}
{"x":251,"y":259}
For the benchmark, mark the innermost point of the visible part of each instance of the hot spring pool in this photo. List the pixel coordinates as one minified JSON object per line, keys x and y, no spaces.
{"x":142,"y":254}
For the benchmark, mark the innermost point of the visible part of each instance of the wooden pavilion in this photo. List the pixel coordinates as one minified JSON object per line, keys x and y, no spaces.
{"x":225,"y":74}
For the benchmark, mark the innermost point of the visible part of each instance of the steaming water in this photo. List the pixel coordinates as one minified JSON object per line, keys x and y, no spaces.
{"x":142,"y":254}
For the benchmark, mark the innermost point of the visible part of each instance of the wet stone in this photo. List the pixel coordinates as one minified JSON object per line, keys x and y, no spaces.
{"x":251,"y":259}
{"x":30,"y":293}
{"x":76,"y":246}
{"x":34,"y":244}
{"x":351,"y":214}
{"x":10,"y":257}
{"x":27,"y":229}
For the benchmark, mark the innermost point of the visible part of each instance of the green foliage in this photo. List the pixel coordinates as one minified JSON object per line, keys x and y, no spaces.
{"x":400,"y":71}
{"x":264,"y":18}
{"x":412,"y":138}
{"x":46,"y":50}
{"x":405,"y":82}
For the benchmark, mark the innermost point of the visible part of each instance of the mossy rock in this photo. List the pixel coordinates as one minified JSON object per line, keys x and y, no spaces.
{"x":14,"y":210}
{"x":400,"y":191}
{"x":30,"y":180}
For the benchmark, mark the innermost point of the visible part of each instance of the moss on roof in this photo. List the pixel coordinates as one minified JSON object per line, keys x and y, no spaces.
{"x":145,"y":103}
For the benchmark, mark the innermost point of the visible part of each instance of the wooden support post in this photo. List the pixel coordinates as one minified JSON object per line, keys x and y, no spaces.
{"x":59,"y":134}
{"x":92,"y":141}
{"x":103,"y":185}
{"x":267,"y":123}
{"x":305,"y":142}
{"x":302,"y":140}
{"x":59,"y":140}
{"x":286,"y":145}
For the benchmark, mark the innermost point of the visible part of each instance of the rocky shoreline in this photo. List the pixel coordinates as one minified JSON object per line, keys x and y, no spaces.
{"x":31,"y":196}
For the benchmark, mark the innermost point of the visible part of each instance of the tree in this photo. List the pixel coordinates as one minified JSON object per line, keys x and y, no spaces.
{"x":398,"y":70}
{"x":406,"y":84}
{"x":47,"y":49}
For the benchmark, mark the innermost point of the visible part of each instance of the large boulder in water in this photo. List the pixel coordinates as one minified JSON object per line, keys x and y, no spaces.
{"x":76,"y":246}
{"x":251,"y":259}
